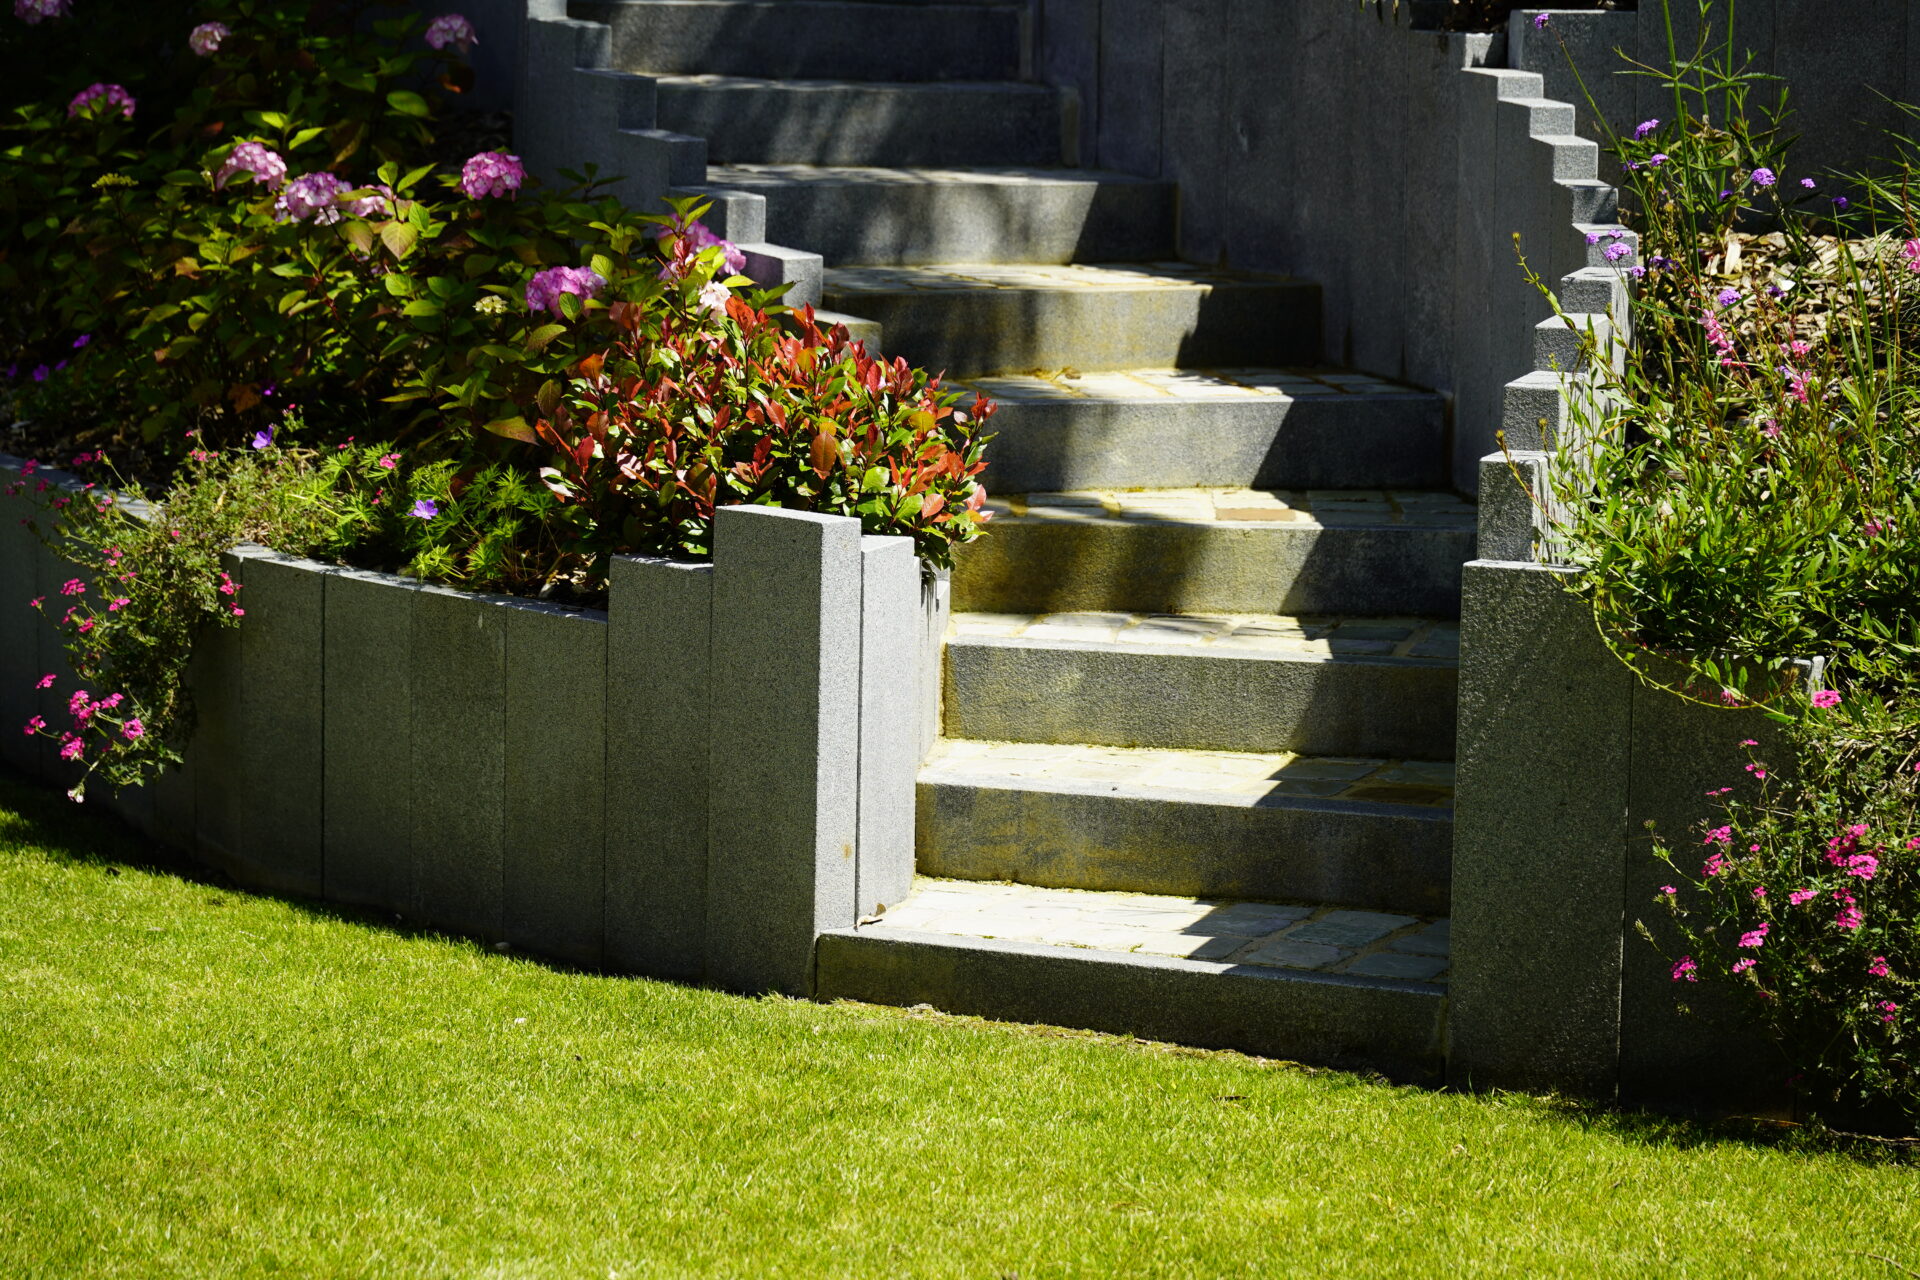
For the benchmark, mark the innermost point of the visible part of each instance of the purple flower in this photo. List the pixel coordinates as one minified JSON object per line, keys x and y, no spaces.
{"x":33,"y":12}
{"x":1840,"y":203}
{"x":1776,"y":292}
{"x":1726,"y":195}
{"x":1764,"y":177}
{"x":1539,"y":21}
{"x":425,"y":508}
{"x":1727,"y":297}
{"x":205,"y":39}
{"x":544,"y":290}
{"x":1638,"y":273}
{"x":1807,"y":183}
{"x":451,"y":29}
{"x":261,"y":439}
{"x":311,"y":195}
{"x":82,"y":341}
{"x":1658,"y":158}
{"x":378,"y":203}
{"x":1646,"y":127}
{"x":1615,"y":252}
{"x":260,"y":163}
{"x":40,"y":373}
{"x":101,"y":100}
{"x":491,"y":173}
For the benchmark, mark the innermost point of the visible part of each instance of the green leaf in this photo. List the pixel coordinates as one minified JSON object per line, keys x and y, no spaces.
{"x":359,"y":235}
{"x":514,"y":428}
{"x":421,"y":307}
{"x":303,"y":137}
{"x":399,"y":238}
{"x":409,"y":103}
{"x":415,"y":176}
{"x":539,"y":338}
{"x":398,"y":285}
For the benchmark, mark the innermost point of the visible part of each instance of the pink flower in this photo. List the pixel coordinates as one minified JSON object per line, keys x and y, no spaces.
{"x":1887,"y":1009}
{"x":1864,"y":865}
{"x":491,"y":173}
{"x":1714,"y":865}
{"x":1749,"y":742}
{"x":1759,"y":890}
{"x":34,"y":12}
{"x":1756,"y":937}
{"x":261,"y":163}
{"x":1799,"y":896}
{"x":45,"y":681}
{"x":238,"y":612}
{"x":311,"y":195}
{"x":205,"y":39}
{"x":1879,"y":967}
{"x":1741,"y":966}
{"x":132,"y":730}
{"x":1686,"y":970}
{"x":115,"y":606}
{"x":544,"y":290}
{"x":112,"y":95}
{"x":72,"y":748}
{"x":451,"y":29}
{"x":377,"y":203}
{"x":683,"y":240}
{"x":1669,"y":890}
{"x":1722,"y":836}
{"x":80,"y":705}
{"x":390,"y":461}
{"x":34,"y":726}
{"x":1849,"y":917}
{"x":1912,"y":249}
{"x":72,"y":587}
{"x":1826,"y":698}
{"x":714,"y":296}
{"x":1873,"y":528}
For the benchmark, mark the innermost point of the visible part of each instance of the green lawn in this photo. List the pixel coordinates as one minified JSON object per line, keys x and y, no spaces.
{"x":195,"y":1082}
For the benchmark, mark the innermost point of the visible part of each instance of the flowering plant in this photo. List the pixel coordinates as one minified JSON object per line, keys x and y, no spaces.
{"x":1805,"y":894}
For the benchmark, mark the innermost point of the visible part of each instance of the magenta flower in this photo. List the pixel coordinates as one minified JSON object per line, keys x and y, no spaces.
{"x":1756,"y":937}
{"x":390,"y":461}
{"x":89,"y":101}
{"x":425,"y":509}
{"x":1741,"y":966}
{"x":1887,"y":1009}
{"x":72,"y":748}
{"x":491,"y":173}
{"x":311,"y":195}
{"x":451,"y":29}
{"x":1799,"y":896}
{"x":44,"y":682}
{"x":205,"y":39}
{"x":1722,"y":836}
{"x":1686,"y":970}
{"x":34,"y":12}
{"x":132,"y":730}
{"x":1826,"y":698}
{"x":544,"y":290}
{"x":1669,"y":890}
{"x":34,"y":726}
{"x":72,"y":587}
{"x":261,"y":163}
{"x":1879,"y":968}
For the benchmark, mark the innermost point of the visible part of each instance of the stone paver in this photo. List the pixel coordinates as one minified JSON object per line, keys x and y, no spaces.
{"x":1245,"y":775}
{"x":1316,"y":508}
{"x":1312,"y":637}
{"x":1370,"y":944}
{"x":1151,"y":386}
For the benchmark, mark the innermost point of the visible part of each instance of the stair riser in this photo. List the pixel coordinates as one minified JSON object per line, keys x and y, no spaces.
{"x":972,"y":333}
{"x":1392,"y":1028}
{"x":953,"y":125}
{"x":822,"y":41}
{"x":1057,"y":566}
{"x":1012,"y":692}
{"x":917,"y":224}
{"x":1331,"y":442}
{"x":1379,"y":857}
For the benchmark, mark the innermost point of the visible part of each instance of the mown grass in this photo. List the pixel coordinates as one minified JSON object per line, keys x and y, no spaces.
{"x":196,"y":1082}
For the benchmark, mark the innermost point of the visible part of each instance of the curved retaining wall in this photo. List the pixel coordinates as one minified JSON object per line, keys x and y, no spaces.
{"x":693,"y":783}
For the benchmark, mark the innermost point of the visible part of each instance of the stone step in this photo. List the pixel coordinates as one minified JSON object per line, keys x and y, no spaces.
{"x":852,"y":215}
{"x":1256,"y":428}
{"x":1379,"y":687}
{"x":974,"y":320}
{"x":1336,"y":551}
{"x":1362,"y":832}
{"x":1289,"y":981}
{"x":843,"y":122}
{"x":811,"y":39}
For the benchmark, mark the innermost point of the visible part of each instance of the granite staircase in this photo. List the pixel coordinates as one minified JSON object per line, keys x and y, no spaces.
{"x":1199,"y":691}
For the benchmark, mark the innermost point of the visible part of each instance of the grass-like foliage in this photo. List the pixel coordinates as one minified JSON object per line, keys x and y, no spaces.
{"x":201,"y":1083}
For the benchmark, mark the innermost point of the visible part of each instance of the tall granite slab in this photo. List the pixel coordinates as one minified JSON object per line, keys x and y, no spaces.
{"x":891,"y":624}
{"x":1540,"y":820}
{"x":785,"y":780}
{"x":368,"y":739}
{"x":458,"y":756}
{"x":280,"y":754}
{"x":219,"y":738}
{"x":20,"y":623}
{"x":556,"y":743}
{"x":659,"y":704}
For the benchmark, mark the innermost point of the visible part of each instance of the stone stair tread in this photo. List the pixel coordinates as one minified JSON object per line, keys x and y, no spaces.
{"x":1240,"y":635}
{"x":751,"y":176}
{"x":963,"y":277}
{"x":1295,"y":937}
{"x":1155,"y":386}
{"x":1311,"y":508}
{"x":930,"y":88}
{"x":1240,"y":778}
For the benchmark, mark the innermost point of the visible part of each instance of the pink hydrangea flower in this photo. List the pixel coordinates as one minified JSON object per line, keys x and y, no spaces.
{"x":262,"y":163}
{"x":451,"y":29}
{"x":311,"y":195}
{"x":544,"y":290}
{"x":205,"y":39}
{"x":88,"y":100}
{"x":714,"y":296}
{"x":682,"y":241}
{"x":491,"y":173}
{"x":377,"y":203}
{"x":34,"y":12}
{"x":1826,"y":698}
